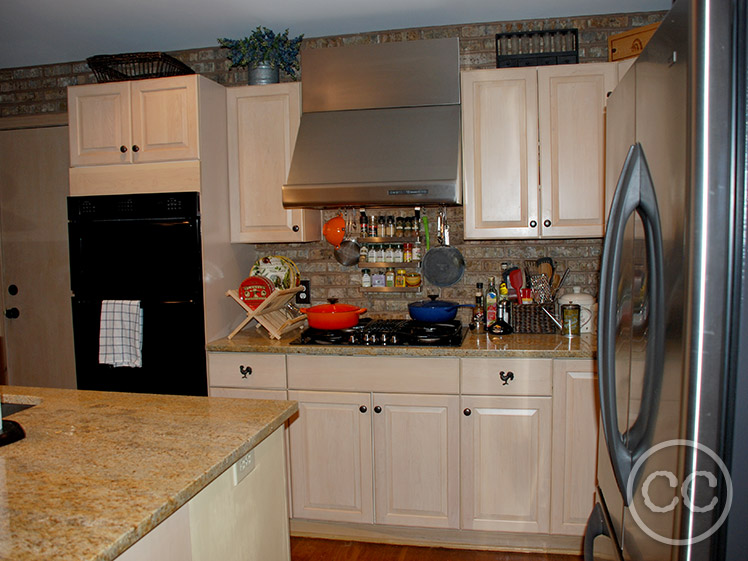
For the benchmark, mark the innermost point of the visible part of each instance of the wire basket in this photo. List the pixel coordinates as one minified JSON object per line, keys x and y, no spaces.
{"x":136,"y":66}
{"x":530,"y":318}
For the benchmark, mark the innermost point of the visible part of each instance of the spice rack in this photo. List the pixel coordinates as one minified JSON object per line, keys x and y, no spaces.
{"x":388,"y":264}
{"x":273,"y":313}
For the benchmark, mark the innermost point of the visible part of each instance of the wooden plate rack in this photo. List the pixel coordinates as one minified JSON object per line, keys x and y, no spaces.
{"x":273,"y":313}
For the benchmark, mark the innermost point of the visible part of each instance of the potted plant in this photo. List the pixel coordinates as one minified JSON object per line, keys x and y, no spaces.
{"x":264,"y":53}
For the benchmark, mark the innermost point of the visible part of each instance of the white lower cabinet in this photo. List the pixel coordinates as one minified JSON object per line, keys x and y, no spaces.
{"x":375,"y":456}
{"x":575,"y":428}
{"x":505,"y":440}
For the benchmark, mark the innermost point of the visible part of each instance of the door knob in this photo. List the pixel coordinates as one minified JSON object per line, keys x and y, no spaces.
{"x":533,"y":223}
{"x":547,"y":223}
{"x":123,"y":149}
{"x":135,"y":148}
{"x":12,"y":313}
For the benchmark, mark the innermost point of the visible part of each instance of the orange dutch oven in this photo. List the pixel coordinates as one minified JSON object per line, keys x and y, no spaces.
{"x":333,"y":316}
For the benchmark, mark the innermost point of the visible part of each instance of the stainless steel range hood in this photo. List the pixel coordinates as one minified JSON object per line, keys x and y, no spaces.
{"x":380,"y":126}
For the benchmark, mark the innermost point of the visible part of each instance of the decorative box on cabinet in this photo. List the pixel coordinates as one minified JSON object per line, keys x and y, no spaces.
{"x":533,"y":151}
{"x":411,"y":439}
{"x":505,"y":440}
{"x":262,"y":126}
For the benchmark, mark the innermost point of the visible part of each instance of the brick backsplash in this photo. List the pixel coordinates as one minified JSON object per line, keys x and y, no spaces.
{"x":483,"y":258}
{"x":42,"y":89}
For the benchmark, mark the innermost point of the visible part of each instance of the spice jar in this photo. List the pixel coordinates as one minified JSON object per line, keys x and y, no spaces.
{"x":377,"y":279}
{"x":400,"y":278}
{"x":389,"y":277}
{"x":365,"y":278}
{"x":408,"y":252}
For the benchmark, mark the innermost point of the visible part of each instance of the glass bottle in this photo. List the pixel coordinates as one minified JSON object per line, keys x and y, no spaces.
{"x":389,"y":254}
{"x":364,"y":224}
{"x":363,"y":253}
{"x":365,"y":278}
{"x":389,"y":277}
{"x":478,"y":323}
{"x":391,"y":226}
{"x":371,"y":257}
{"x":492,"y":301}
{"x":399,"y":257}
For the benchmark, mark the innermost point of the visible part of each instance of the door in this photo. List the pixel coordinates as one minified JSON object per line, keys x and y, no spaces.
{"x":416,"y":464}
{"x":500,"y":153}
{"x":331,"y":456}
{"x":505,"y":471}
{"x":38,"y":343}
{"x":164,"y":119}
{"x":100,"y":124}
{"x":572,"y":147}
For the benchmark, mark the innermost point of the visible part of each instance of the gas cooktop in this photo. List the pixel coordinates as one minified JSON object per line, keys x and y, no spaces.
{"x":388,"y":333}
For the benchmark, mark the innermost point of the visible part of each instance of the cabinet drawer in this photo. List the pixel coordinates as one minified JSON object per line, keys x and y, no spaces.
{"x":483,"y":376}
{"x":374,"y":374}
{"x":247,"y":370}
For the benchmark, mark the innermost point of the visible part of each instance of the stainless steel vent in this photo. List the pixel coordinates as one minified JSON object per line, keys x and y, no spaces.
{"x":380,"y":127}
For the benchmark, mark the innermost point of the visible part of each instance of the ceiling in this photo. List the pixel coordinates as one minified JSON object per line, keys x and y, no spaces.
{"x":35,"y":32}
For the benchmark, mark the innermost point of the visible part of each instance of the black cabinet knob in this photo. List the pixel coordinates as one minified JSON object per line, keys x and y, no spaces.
{"x":362,"y":409}
{"x":123,"y":149}
{"x":12,"y":290}
{"x":467,"y":412}
{"x":377,"y":409}
{"x":547,"y":223}
{"x":135,"y":148}
{"x":533,"y":223}
{"x":12,"y":313}
{"x":295,"y":228}
{"x":245,"y":370}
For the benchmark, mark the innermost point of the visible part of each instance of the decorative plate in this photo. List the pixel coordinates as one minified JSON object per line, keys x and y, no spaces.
{"x":253,"y":290}
{"x":281,"y":271}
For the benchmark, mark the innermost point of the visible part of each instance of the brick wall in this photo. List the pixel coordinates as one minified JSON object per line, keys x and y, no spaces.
{"x":34,"y":90}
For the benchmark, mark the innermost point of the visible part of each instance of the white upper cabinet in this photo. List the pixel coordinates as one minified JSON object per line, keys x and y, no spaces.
{"x":141,"y":121}
{"x":534,"y":151}
{"x":262,"y":125}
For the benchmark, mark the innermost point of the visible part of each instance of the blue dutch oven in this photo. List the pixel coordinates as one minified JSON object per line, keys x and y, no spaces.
{"x":434,"y":311}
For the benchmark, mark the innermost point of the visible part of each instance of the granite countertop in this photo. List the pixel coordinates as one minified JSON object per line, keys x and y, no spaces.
{"x":518,"y":345}
{"x":99,"y":470}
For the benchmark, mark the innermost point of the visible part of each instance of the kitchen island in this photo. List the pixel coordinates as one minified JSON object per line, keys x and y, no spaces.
{"x":98,"y":471}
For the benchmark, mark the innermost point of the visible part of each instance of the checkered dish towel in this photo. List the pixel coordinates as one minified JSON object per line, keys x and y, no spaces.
{"x":121,"y":333}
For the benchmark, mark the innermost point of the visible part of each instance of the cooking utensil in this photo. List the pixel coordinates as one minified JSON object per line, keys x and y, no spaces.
{"x":334,"y":230}
{"x":443,"y":265}
{"x":515,"y":279}
{"x":433,"y":310}
{"x":349,"y":251}
{"x":425,"y":221}
{"x":560,"y":282}
{"x":333,"y":316}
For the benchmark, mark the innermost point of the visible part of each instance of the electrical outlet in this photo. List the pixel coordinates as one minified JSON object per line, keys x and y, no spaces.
{"x":303,"y":296}
{"x":244,"y":466}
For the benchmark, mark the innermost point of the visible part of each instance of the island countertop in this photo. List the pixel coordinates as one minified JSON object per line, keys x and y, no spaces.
{"x":99,"y":470}
{"x":517,"y":345}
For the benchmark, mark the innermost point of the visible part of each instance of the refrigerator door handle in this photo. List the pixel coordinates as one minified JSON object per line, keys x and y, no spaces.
{"x":597,"y":526}
{"x":634,"y":193}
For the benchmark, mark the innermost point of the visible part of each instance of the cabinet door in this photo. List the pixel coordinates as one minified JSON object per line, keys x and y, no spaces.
{"x":500,"y":153}
{"x":575,"y":427}
{"x":164,"y":119}
{"x":416,"y":460}
{"x":331,"y":473}
{"x":99,"y":117}
{"x":572,"y":147}
{"x":506,"y":473}
{"x":262,"y":126}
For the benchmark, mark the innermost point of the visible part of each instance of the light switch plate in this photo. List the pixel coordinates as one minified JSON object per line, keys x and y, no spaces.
{"x":303,"y":296}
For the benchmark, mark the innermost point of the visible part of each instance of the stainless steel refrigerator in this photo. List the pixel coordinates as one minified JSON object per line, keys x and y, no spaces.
{"x":673,"y":316}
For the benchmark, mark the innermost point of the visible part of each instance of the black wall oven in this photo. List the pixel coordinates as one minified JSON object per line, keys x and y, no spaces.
{"x":142,"y":247}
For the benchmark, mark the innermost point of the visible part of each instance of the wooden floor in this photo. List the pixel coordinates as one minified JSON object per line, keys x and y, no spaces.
{"x":307,"y":549}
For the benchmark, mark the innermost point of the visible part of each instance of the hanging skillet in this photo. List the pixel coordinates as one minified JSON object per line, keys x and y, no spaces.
{"x":443,"y":265}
